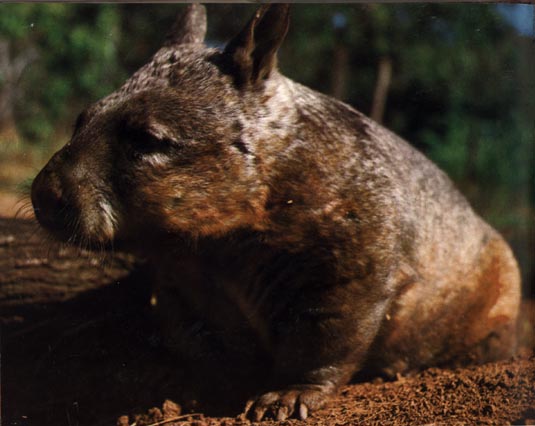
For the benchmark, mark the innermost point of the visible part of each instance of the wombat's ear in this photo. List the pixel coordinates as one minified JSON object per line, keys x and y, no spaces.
{"x":254,"y":50}
{"x":189,"y":27}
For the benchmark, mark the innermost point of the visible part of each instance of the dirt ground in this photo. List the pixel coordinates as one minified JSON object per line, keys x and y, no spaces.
{"x":96,"y":360}
{"x":493,"y":394}
{"x":500,"y":393}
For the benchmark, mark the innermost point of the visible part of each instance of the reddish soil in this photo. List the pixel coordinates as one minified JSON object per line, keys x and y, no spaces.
{"x":501,"y":393}
{"x":493,"y":394}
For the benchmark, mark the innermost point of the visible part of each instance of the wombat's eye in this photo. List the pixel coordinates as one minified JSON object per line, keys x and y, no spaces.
{"x":141,"y":142}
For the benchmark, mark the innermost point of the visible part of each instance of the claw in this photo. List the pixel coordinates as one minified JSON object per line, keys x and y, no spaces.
{"x":303,"y":411}
{"x":281,"y":405}
{"x":259,"y":413}
{"x":282,"y":414}
{"x":248,"y":407}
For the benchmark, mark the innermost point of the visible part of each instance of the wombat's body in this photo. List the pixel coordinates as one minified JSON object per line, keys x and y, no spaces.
{"x":282,"y":218}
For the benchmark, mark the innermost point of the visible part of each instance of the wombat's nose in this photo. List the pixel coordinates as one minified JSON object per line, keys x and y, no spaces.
{"x":48,"y":201}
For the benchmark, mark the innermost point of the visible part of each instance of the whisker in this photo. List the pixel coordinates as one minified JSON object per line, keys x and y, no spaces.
{"x":112,"y":252}
{"x":24,"y":206}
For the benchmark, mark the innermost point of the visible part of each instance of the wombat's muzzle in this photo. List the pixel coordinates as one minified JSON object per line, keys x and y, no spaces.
{"x":49,"y":203}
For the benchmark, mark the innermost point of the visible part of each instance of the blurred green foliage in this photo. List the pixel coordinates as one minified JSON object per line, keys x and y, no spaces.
{"x":462,"y":87}
{"x":78,"y":60}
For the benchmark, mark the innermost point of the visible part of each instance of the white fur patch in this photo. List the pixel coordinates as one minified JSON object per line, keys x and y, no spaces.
{"x":109,"y":219}
{"x":157,"y":159}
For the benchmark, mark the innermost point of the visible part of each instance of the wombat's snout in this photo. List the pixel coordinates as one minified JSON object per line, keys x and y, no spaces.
{"x":48,"y":201}
{"x":69,"y":201}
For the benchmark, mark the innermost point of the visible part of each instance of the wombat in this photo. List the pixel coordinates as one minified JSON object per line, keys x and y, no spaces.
{"x":277,"y":213}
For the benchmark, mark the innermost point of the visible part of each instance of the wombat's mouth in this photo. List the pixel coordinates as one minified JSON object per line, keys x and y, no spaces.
{"x":94,"y":232}
{"x":69,"y":230}
{"x":64,"y":222}
{"x":75,"y":215}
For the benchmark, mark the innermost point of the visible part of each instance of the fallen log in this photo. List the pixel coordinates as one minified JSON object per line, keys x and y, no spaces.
{"x":36,"y":273}
{"x":68,"y":317}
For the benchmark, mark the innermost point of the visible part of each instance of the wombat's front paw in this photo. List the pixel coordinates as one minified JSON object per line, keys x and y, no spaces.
{"x":297,"y":400}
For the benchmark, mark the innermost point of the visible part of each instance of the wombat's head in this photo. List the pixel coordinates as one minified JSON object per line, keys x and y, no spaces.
{"x":171,"y":151}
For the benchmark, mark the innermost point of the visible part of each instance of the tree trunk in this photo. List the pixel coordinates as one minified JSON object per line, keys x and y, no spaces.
{"x":10,"y":72}
{"x":47,"y":287}
{"x":384,"y":76}
{"x":339,"y":71}
{"x":36,"y":276}
{"x":70,"y":323}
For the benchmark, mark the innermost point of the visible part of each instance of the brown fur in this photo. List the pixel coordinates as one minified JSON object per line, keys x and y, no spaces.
{"x":292,"y":226}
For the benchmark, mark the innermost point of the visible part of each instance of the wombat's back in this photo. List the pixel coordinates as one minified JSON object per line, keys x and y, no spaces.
{"x":461,"y":298}
{"x":457,"y":281}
